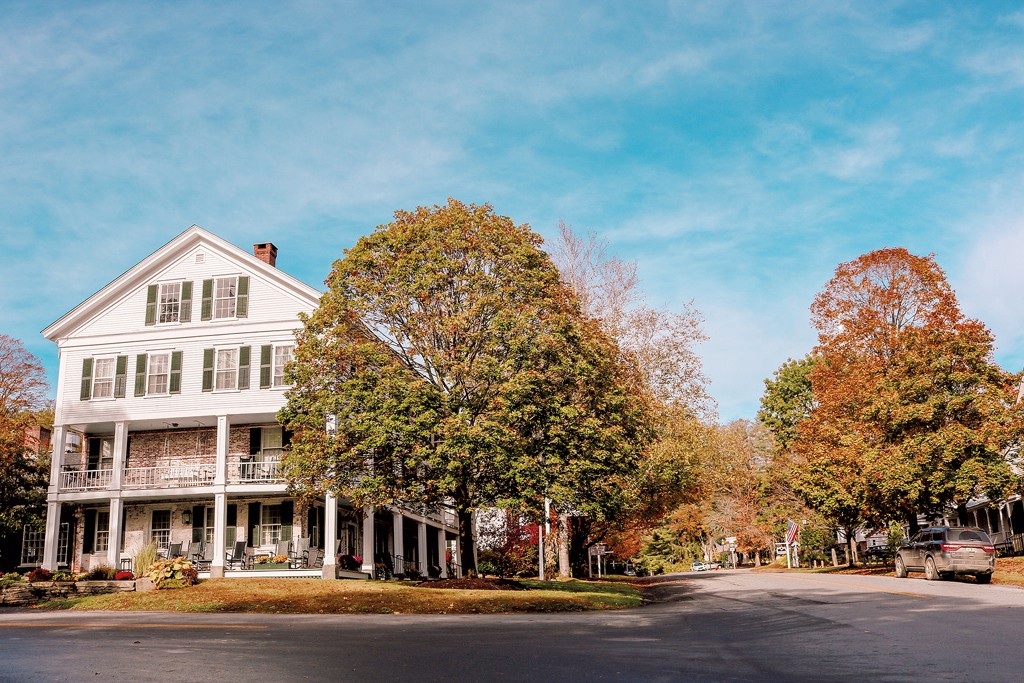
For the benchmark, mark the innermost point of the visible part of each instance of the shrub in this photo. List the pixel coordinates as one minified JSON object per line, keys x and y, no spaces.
{"x":144,"y":559}
{"x":10,"y":579}
{"x":64,"y":575}
{"x":124,"y":576}
{"x":40,"y":574}
{"x":173,"y":573}
{"x":101,"y":573}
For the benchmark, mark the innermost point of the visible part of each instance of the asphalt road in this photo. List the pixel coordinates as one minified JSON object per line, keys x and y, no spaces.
{"x":713,"y":626}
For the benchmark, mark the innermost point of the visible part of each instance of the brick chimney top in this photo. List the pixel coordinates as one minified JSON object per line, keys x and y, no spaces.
{"x":265,"y":252}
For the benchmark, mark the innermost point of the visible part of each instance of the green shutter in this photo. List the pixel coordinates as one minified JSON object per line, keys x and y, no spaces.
{"x":185,"y":315}
{"x":230,"y":533}
{"x":207,"y":308}
{"x":151,"y":305}
{"x":89,"y":532}
{"x":287,"y":517}
{"x":198,"y":522}
{"x":242,"y":303}
{"x":140,"y":374}
{"x":120,"y":376}
{"x":266,"y":354}
{"x":86,"y":379}
{"x":254,"y":525}
{"x":207,"y":369}
{"x":175,"y":379}
{"x":243,"y":367}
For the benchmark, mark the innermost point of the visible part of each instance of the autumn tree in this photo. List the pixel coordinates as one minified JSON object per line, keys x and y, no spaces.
{"x":661,"y":345}
{"x":23,"y":474}
{"x":911,"y":413}
{"x":448,"y":365}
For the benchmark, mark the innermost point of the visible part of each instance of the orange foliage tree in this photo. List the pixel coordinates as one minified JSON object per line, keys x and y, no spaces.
{"x":911,"y":413}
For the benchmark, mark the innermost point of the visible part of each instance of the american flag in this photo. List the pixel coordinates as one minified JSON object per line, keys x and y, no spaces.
{"x":792,"y":529}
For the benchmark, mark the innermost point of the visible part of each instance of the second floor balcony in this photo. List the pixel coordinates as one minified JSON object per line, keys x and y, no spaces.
{"x":264,"y":468}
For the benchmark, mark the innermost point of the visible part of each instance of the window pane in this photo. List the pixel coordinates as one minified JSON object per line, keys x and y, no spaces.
{"x":270,"y":524}
{"x":227,"y":369}
{"x":282,"y":354}
{"x":170,"y":302}
{"x":159,"y":366}
{"x":103,"y":380}
{"x":101,"y":541}
{"x":224,"y":297}
{"x":161,"y":530}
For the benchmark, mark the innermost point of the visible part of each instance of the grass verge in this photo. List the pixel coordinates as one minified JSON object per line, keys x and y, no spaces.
{"x":314,"y":596}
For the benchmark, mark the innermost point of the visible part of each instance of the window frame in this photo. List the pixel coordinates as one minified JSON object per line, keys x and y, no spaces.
{"x":101,"y":533}
{"x":166,"y":355}
{"x":270,"y":531}
{"x":276,"y":369}
{"x":216,"y":299}
{"x":176,"y":303}
{"x":231,"y":372}
{"x":154,"y":530}
{"x":96,"y":377}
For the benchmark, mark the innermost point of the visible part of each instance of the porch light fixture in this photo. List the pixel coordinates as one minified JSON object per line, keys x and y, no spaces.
{"x":186,"y":517}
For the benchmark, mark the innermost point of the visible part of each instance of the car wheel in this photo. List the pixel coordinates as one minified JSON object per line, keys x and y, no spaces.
{"x":930,"y":572}
{"x":984,"y":578}
{"x":901,"y":569}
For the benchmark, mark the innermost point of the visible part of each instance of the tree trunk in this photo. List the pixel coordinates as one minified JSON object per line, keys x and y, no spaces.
{"x":564,"y":568}
{"x":467,"y":543}
{"x":579,"y":533}
{"x":912,"y":525}
{"x":851,"y":536}
{"x":961,"y":514}
{"x":757,"y":558}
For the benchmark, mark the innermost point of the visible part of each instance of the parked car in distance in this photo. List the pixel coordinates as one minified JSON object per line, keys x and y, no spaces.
{"x":699,"y":566}
{"x":943,"y":552}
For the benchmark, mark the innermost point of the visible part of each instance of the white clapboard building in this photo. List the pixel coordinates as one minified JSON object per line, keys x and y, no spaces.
{"x":170,"y":381}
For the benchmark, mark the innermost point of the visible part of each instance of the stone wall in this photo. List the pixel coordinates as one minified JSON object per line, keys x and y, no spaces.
{"x":32,"y":593}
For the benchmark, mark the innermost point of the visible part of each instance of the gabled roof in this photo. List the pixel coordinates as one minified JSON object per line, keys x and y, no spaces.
{"x":144,"y":271}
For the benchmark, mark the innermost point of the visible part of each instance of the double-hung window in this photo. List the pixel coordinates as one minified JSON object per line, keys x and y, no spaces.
{"x":169,"y":305}
{"x":227,"y":369}
{"x":270,"y":524}
{"x":158,"y":374}
{"x":160,"y":531}
{"x":225,"y":293}
{"x":103,"y":378}
{"x":102,"y":539}
{"x":282,"y":354}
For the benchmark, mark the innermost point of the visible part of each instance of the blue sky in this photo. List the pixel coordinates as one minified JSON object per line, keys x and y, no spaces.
{"x":737,"y":150}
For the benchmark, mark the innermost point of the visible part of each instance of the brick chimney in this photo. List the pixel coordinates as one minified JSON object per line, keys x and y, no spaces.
{"x":265,"y":252}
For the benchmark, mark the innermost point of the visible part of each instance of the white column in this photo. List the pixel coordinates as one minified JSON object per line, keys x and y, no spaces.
{"x":442,"y":549}
{"x":399,"y":540}
{"x":57,"y":445}
{"x":120,"y":455}
{"x":421,"y":547}
{"x":52,"y":535}
{"x":457,"y":555}
{"x":330,"y":534}
{"x":114,"y":537}
{"x":368,"y":540}
{"x":223,"y":439}
{"x":220,"y":527}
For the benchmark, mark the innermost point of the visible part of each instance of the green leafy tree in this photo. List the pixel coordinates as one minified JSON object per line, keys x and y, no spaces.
{"x":787,"y":400}
{"x":448,"y":365}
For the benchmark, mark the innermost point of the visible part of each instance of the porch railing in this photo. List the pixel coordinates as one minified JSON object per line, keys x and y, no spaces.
{"x":255,"y":472}
{"x":169,"y":476}
{"x":85,"y":480}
